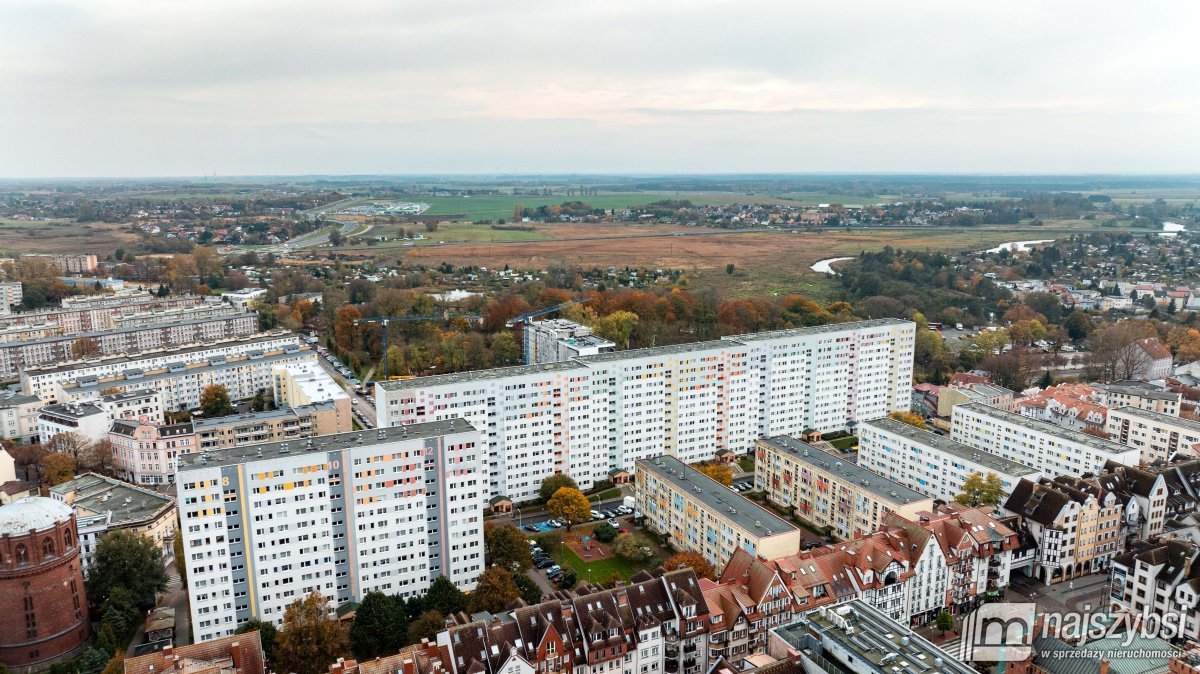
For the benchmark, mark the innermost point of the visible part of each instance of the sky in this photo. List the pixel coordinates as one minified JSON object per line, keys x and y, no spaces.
{"x":266,"y":87}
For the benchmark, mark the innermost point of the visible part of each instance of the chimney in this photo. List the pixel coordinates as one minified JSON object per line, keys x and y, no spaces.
{"x":336,"y":668}
{"x":408,"y":667}
{"x":1104,"y":667}
{"x":235,"y":654}
{"x":167,"y":652}
{"x":622,"y":594}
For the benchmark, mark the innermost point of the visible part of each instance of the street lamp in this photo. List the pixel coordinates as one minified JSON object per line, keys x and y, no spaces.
{"x":519,"y":519}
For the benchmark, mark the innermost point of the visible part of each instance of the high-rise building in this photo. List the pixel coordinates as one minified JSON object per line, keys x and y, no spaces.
{"x":590,"y":414}
{"x":341,"y":515}
{"x":558,"y":339}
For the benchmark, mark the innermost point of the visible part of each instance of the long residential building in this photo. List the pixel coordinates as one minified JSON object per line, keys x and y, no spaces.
{"x":46,"y":382}
{"x":1041,"y":445}
{"x":1157,"y":437}
{"x":17,"y":355}
{"x":90,"y":313}
{"x":590,"y":414}
{"x":699,"y":514}
{"x":828,"y":492}
{"x":181,"y":385}
{"x":929,"y":463}
{"x":160,"y":316}
{"x":341,"y":515}
{"x":145,"y":452}
{"x":68,"y":263}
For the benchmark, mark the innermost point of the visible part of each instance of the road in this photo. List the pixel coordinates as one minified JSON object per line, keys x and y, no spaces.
{"x":177,"y":597}
{"x":360,"y":402}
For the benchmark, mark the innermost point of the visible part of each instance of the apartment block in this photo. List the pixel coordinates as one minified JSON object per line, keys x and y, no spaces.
{"x":1043,"y":446}
{"x":18,"y":416}
{"x":1159,"y":578}
{"x":1157,"y":437}
{"x":103,"y":504}
{"x":821,"y":488}
{"x":1142,"y":395}
{"x":68,"y":263}
{"x":341,"y":515}
{"x":90,"y":313}
{"x":558,"y":339}
{"x":931,"y":464}
{"x":90,"y":420}
{"x":172,"y":315}
{"x":56,"y":350}
{"x":297,"y":384}
{"x":181,"y":384}
{"x":590,"y":414}
{"x":45,"y":382}
{"x":11,"y":294}
{"x":1076,"y":523}
{"x":146,"y":453}
{"x":699,"y":514}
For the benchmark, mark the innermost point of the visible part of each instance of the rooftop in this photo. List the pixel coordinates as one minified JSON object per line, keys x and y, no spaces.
{"x":167,"y":374}
{"x":819,"y":329}
{"x":1157,"y":417}
{"x":654,"y":351}
{"x":100,"y":334}
{"x":323,"y":443}
{"x":1044,"y":427}
{"x":479,"y":375}
{"x":95,"y":494}
{"x":72,"y":410}
{"x":851,"y":472}
{"x":13,"y":398}
{"x":33,"y":513}
{"x":203,"y":346}
{"x":951,"y":447}
{"x":882,"y":644}
{"x":721,"y":499}
{"x":202,"y":424}
{"x":1140,"y":388}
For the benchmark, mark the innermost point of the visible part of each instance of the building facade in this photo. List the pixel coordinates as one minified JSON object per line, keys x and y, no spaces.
{"x":557,"y":339}
{"x":828,"y":492}
{"x":699,"y":514}
{"x":42,"y":597}
{"x":341,"y":515}
{"x":1157,"y":437}
{"x":594,"y":413}
{"x":1142,"y":395}
{"x":1049,"y":449}
{"x":931,"y":464}
{"x":91,"y":313}
{"x":1076,"y":523}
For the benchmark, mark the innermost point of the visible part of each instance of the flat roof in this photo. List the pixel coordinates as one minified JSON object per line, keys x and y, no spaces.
{"x":850,"y":472}
{"x":870,"y":636}
{"x":202,"y":423}
{"x":717,"y":497}
{"x":116,"y":331}
{"x":168,"y":374}
{"x":819,"y":329}
{"x":478,"y":375}
{"x":1142,"y":389}
{"x":653,"y":351}
{"x":1161,"y":418}
{"x":321,"y":443}
{"x":948,"y":446}
{"x":1046,"y":427}
{"x":155,"y":353}
{"x":127,"y":503}
{"x":72,"y":410}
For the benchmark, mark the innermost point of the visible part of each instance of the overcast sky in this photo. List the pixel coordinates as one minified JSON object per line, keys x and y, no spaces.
{"x":247,"y":87}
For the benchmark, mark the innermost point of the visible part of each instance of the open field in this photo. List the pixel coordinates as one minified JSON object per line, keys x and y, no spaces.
{"x":466,"y":232}
{"x":61,"y":236}
{"x":501,"y":206}
{"x":766,"y":263}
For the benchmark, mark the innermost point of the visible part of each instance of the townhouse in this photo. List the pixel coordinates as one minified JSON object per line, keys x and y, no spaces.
{"x":55,"y":350}
{"x":593,"y":413}
{"x":1049,"y":449}
{"x":969,"y":392}
{"x":341,"y":515}
{"x":931,"y":464}
{"x":1076,"y":407}
{"x":1159,"y":578}
{"x":18,"y":416}
{"x":1076,"y":524}
{"x":699,"y":514}
{"x":654,"y":625}
{"x":1154,"y":494}
{"x":846,"y":498}
{"x":46,"y":382}
{"x":1157,"y":437}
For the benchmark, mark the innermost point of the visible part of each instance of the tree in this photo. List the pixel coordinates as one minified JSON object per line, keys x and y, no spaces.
{"x":693,"y":560}
{"x":531,"y":592}
{"x":345,"y":329}
{"x":379,"y":626}
{"x":72,"y":444}
{"x":507,"y":547}
{"x":93,"y":661}
{"x":426,"y":626}
{"x":729,"y":268}
{"x":309,"y":639}
{"x":106,"y":637}
{"x":605,"y":533}
{"x":266,"y":635}
{"x":616,"y":327}
{"x":97,"y":457}
{"x":431,"y":225}
{"x":495,"y":591}
{"x":129,"y":560}
{"x":115,"y":666}
{"x":1098,"y":432}
{"x":910,"y":418}
{"x":553,"y":483}
{"x":57,"y":468}
{"x":568,"y":581}
{"x":177,"y":553}
{"x":978,"y":490}
{"x":633,"y":547}
{"x":944,"y":621}
{"x":214,"y":401}
{"x":336,"y":238}
{"x":569,"y":506}
{"x":85,"y":347}
{"x":720,"y":472}
{"x":444,"y":597}
{"x":259,"y":403}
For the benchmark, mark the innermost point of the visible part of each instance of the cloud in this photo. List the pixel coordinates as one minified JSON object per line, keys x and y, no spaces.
{"x":122,"y":87}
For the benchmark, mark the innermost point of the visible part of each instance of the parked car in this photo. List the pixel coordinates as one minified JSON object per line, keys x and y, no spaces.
{"x":614,"y":524}
{"x":597,"y":516}
{"x":531,"y":528}
{"x":554,"y":523}
{"x":544,"y":562}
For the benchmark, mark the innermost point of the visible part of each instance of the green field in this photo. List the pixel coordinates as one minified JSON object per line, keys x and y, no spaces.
{"x":500,"y":206}
{"x":599,"y":571}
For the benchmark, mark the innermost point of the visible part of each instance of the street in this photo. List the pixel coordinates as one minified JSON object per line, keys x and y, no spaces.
{"x":176,"y":597}
{"x":360,"y":403}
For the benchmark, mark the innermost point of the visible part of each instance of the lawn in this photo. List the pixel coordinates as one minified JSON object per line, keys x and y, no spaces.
{"x":746,"y":464}
{"x":842,"y":444}
{"x":605,"y":495}
{"x":599,"y":571}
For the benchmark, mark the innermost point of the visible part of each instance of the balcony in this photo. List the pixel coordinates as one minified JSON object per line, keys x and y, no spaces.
{"x":689,"y":647}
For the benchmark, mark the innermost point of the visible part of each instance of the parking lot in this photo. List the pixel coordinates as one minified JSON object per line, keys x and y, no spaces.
{"x":542,"y":559}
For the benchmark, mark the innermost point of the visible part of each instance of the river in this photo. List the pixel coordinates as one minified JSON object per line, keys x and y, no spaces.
{"x":823,"y":267}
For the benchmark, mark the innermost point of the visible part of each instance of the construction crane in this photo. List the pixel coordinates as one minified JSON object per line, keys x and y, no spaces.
{"x":527,"y":318}
{"x":385,"y":321}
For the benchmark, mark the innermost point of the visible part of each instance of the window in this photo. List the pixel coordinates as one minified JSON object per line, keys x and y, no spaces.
{"x":22,"y":555}
{"x":48,"y":547}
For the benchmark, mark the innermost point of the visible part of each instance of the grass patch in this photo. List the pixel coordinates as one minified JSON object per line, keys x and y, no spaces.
{"x":494,"y":207}
{"x":746,"y":464}
{"x":599,"y":571}
{"x":605,"y":495}
{"x":842,"y":444}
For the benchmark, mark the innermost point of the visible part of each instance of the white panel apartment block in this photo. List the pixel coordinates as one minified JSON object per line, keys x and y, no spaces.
{"x":342,"y":515}
{"x":1041,"y":445}
{"x":590,"y":414}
